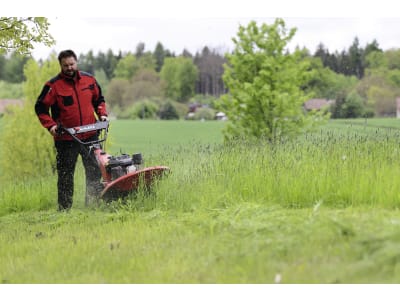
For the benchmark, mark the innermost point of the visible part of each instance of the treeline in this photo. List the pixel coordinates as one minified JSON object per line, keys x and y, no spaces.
{"x":351,"y":62}
{"x":363,"y":81}
{"x":208,"y":62}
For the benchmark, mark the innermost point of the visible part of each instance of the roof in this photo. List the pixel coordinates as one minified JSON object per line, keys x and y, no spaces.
{"x":317,"y":104}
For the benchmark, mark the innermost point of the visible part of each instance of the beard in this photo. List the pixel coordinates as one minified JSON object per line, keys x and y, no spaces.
{"x":70,"y":73}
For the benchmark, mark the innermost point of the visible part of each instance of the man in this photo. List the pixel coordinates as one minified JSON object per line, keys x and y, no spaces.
{"x":72,"y":99}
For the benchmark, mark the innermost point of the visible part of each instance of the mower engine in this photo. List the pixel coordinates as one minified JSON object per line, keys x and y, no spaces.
{"x":121,"y":165}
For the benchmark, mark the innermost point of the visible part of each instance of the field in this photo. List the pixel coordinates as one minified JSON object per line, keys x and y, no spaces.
{"x":323,"y":208}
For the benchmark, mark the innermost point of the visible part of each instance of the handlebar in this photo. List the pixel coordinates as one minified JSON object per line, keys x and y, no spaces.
{"x":98,"y":127}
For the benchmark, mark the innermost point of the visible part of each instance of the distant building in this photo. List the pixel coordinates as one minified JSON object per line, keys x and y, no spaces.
{"x":193,"y":107}
{"x":318,"y":104}
{"x":221,"y":116}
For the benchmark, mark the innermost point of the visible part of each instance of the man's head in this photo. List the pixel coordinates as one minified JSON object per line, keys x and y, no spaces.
{"x":68,"y":62}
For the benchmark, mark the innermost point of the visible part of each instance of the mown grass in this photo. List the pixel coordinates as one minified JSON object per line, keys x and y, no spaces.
{"x":155,"y":137}
{"x":321,"y":209}
{"x":246,"y":243}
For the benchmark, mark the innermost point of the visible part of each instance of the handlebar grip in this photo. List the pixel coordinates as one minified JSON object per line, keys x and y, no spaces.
{"x":59,"y":129}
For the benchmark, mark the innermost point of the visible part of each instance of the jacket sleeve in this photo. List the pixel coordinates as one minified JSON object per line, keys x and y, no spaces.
{"x":42,"y":107}
{"x":99,"y":103}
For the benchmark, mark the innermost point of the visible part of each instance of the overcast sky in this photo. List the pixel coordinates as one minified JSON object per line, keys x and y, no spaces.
{"x":184,"y":24}
{"x":84,"y":34}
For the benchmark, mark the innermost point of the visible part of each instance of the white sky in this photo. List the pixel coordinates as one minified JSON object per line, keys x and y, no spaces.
{"x":123,"y":33}
{"x":183,"y":24}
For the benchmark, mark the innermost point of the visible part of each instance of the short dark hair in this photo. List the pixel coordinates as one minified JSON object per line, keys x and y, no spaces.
{"x":65,"y":54}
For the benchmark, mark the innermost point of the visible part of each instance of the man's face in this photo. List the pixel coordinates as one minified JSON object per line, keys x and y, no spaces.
{"x":69,"y":66}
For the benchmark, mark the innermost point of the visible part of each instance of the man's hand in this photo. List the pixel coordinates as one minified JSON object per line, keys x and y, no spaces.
{"x":53,"y":130}
{"x":103,"y":118}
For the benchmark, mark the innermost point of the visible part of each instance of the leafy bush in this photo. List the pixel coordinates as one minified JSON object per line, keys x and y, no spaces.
{"x":11,"y":90}
{"x":140,"y":110}
{"x":168,"y":112}
{"x":203,"y":113}
{"x":353,"y":106}
{"x":181,"y":109}
{"x":26,"y":148}
{"x":145,"y":110}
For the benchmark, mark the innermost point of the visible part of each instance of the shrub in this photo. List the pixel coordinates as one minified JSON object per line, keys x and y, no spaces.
{"x":27,"y":149}
{"x":140,"y":110}
{"x":11,"y":90}
{"x":203,"y":113}
{"x":168,"y":112}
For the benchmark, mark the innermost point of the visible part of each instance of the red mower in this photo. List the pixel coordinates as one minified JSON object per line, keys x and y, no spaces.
{"x":121,"y":175}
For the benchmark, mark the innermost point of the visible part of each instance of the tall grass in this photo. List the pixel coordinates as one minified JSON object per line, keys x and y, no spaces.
{"x":337,"y":168}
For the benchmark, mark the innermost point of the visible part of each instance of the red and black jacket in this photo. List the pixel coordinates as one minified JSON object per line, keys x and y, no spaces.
{"x":70,"y":103}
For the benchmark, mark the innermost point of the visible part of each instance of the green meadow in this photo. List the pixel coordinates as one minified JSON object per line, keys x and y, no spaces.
{"x":323,"y":208}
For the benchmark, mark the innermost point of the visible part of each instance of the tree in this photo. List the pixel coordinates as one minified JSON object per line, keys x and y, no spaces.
{"x":129,"y":65}
{"x":325,"y":83}
{"x":144,"y":85}
{"x":168,"y":75}
{"x":186,"y":53}
{"x":328,"y":60}
{"x":110,"y":63}
{"x":125,"y":67}
{"x":19,"y":34}
{"x":393,"y":58}
{"x":145,"y":61}
{"x":376,"y":59}
{"x":210,"y":66}
{"x":319,"y":84}
{"x":102,"y":79}
{"x":356,"y":56}
{"x":140,"y":49}
{"x":87,"y":62}
{"x":380,"y":88}
{"x":187,"y":74}
{"x":159,"y":55}
{"x":14,"y":68}
{"x":372,"y":47}
{"x":265,"y":98}
{"x":2,"y":65}
{"x":179,"y":74}
{"x":344,"y":63}
{"x":116,"y":90}
{"x":383,"y":97}
{"x":353,"y":106}
{"x":322,"y":53}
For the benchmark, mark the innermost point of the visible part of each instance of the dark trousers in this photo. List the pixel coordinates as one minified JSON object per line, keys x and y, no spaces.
{"x":67,"y":155}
